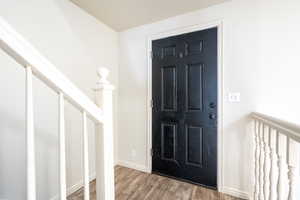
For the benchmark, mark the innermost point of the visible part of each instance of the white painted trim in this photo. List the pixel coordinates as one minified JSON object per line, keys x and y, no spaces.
{"x":30,"y":138}
{"x":62,"y":148}
{"x":75,"y":187}
{"x":179,"y":31}
{"x":85,"y":144}
{"x":133,"y":166}
{"x":235,"y":193}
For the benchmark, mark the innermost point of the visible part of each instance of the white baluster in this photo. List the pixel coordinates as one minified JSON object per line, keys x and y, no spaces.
{"x":280,"y":166}
{"x":291,"y":177}
{"x":30,"y":141}
{"x":104,"y":139}
{"x":86,"y":175}
{"x":266,"y":162}
{"x":272,"y":192}
{"x":256,"y":160}
{"x":62,"y":148}
{"x":292,"y":160}
{"x":261,"y":162}
{"x":255,"y":191}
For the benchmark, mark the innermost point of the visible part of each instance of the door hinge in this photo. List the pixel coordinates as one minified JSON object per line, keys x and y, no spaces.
{"x":151,"y":103}
{"x":151,"y":54}
{"x":151,"y":152}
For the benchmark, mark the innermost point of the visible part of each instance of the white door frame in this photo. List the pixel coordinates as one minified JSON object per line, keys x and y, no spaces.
{"x":179,"y":31}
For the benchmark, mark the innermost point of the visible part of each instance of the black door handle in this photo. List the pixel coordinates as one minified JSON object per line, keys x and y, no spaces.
{"x":212,"y":105}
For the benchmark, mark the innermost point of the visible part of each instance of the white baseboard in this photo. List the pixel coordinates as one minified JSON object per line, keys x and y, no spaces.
{"x":133,"y":166}
{"x":75,"y":187}
{"x":235,"y":192}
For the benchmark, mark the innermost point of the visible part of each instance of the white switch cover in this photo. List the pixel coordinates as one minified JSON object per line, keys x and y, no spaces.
{"x":234,"y":97}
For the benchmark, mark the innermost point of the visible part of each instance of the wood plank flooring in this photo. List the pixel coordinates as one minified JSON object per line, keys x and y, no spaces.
{"x":135,"y":185}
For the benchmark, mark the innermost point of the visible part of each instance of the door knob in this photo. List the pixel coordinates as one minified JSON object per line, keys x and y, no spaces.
{"x":212,"y":116}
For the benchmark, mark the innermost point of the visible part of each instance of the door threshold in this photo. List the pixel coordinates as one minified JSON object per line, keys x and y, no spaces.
{"x":185,"y":180}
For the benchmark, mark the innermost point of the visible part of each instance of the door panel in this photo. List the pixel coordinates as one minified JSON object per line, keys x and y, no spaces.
{"x":194,"y":145}
{"x":168,"y":88}
{"x":194,"y":87}
{"x":168,"y":141}
{"x":184,"y":124}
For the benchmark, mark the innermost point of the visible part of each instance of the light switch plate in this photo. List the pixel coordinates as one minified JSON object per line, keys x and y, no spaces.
{"x":234,"y":97}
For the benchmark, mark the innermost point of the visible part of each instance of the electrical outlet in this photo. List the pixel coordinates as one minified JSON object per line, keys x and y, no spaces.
{"x":133,"y":153}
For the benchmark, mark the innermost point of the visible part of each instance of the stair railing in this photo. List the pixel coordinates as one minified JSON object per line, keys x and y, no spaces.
{"x":37,"y":65}
{"x":276,"y":156}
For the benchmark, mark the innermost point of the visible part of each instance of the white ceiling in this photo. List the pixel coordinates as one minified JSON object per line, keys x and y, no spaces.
{"x":124,"y":14}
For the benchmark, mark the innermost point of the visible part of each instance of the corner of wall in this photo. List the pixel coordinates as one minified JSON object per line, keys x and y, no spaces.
{"x":133,"y":166}
{"x":235,"y":192}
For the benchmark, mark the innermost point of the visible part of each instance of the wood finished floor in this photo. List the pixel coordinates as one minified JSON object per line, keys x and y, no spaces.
{"x":135,"y":185}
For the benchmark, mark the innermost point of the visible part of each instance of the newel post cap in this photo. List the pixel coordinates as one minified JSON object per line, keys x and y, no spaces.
{"x":103,"y":74}
{"x":103,"y":83}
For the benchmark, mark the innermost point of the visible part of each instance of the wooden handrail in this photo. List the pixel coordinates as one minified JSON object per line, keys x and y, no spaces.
{"x":286,"y":128}
{"x":26,"y":55}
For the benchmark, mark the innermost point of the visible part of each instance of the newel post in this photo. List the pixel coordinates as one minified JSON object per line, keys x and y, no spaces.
{"x":104,"y":139}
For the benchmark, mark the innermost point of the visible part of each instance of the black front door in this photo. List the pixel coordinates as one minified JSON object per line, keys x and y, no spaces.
{"x":184,"y":123}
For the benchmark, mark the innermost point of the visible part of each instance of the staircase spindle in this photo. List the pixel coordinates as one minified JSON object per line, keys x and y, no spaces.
{"x":280,"y":167}
{"x":86,"y":175}
{"x":30,"y":140}
{"x":62,"y":148}
{"x":267,"y":159}
{"x":272,"y":159}
{"x":291,"y":177}
{"x":261,"y":162}
{"x":292,"y":159}
{"x":256,"y":163}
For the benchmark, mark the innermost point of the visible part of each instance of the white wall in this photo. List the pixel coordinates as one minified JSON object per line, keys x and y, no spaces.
{"x":261,"y":43}
{"x":77,"y":44}
{"x":279,"y":61}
